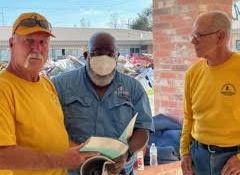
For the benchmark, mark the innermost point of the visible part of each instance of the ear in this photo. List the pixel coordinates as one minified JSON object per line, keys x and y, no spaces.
{"x":222,"y":36}
{"x":10,"y":41}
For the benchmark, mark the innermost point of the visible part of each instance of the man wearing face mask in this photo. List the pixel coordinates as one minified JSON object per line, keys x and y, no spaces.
{"x":100,"y":101}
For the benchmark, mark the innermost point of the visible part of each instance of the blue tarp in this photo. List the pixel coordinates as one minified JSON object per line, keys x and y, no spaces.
{"x":166,"y":138}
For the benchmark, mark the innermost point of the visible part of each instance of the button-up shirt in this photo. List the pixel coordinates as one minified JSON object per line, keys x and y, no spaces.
{"x":86,"y":114}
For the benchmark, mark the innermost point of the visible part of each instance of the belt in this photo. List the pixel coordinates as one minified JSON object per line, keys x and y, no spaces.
{"x":218,"y":149}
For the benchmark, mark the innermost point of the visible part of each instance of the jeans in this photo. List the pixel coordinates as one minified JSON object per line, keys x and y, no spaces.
{"x":205,"y":162}
{"x":73,"y":172}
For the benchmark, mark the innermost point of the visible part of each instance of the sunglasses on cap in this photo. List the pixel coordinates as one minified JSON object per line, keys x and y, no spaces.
{"x":32,"y":22}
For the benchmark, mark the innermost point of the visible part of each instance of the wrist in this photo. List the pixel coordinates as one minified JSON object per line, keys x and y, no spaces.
{"x":57,"y":161}
{"x":129,"y":154}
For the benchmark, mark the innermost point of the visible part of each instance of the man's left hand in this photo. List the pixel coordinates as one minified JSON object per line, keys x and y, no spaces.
{"x":232,"y":167}
{"x":118,"y":166}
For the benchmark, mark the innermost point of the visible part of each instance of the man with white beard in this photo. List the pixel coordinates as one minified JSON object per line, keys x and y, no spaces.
{"x":100,"y":101}
{"x":33,"y":139}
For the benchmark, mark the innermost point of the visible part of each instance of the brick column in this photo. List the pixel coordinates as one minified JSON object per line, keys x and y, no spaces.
{"x":172,"y":51}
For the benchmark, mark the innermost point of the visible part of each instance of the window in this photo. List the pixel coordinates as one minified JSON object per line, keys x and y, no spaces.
{"x":4,"y":55}
{"x":238,"y":45}
{"x":134,"y":50}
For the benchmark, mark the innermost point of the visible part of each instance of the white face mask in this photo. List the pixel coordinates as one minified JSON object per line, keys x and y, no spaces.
{"x":103,"y":65}
{"x":100,"y":80}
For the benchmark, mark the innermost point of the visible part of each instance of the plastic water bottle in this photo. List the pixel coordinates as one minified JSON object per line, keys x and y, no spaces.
{"x":153,"y":155}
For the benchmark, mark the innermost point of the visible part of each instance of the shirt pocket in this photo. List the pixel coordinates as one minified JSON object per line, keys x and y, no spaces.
{"x":77,"y":120}
{"x":121,"y":103}
{"x":77,"y":105}
{"x":122,"y":110}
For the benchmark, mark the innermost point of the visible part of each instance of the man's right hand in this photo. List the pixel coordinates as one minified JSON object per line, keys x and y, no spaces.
{"x":73,"y":158}
{"x":24,"y":158}
{"x":186,"y":164}
{"x":117,"y":167}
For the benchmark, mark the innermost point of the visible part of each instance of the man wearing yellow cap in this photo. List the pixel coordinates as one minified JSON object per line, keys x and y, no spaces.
{"x":33,"y":139}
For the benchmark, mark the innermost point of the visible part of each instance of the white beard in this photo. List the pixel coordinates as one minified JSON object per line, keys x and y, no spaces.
{"x":100,"y":80}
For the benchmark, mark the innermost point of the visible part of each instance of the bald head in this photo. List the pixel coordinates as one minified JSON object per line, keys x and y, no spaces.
{"x":213,"y":21}
{"x":211,"y":36}
{"x":102,"y":44}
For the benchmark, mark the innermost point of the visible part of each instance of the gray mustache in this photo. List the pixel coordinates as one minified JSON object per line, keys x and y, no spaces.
{"x":35,"y":55}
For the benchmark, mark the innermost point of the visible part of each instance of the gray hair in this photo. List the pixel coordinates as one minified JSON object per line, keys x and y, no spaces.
{"x":219,"y":20}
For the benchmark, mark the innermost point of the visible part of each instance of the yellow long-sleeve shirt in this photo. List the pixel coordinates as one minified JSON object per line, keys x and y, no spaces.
{"x":212,"y":104}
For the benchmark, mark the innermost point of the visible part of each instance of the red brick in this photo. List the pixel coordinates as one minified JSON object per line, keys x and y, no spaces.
{"x":182,"y":2}
{"x":165,"y":18}
{"x":167,"y":89}
{"x":163,"y":54}
{"x":184,"y":31}
{"x":160,"y":37}
{"x":168,"y":104}
{"x":167,"y":75}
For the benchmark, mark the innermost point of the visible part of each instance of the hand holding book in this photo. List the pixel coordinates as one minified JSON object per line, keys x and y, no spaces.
{"x":118,"y":165}
{"x":110,"y":149}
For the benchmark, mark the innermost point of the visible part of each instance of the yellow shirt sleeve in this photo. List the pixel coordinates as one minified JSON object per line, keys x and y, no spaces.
{"x":187,"y":120}
{"x":7,"y":129}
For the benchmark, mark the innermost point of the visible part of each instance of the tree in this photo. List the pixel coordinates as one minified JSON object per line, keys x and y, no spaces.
{"x":143,"y":21}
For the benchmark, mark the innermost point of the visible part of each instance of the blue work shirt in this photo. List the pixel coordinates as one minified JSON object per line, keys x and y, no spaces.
{"x":86,"y":114}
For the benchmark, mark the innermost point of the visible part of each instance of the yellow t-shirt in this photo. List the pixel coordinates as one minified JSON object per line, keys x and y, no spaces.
{"x":211,"y":104}
{"x":6,"y":172}
{"x":31,"y":116}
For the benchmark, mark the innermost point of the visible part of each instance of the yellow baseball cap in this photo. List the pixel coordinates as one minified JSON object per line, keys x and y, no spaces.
{"x":32,"y":22}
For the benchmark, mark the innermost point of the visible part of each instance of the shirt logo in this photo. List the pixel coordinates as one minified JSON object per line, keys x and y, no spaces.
{"x":123,"y":93}
{"x":228,"y":90}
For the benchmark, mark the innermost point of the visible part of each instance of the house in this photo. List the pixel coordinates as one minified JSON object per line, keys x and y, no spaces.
{"x":73,"y":41}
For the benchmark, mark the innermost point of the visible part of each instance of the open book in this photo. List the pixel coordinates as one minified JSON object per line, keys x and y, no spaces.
{"x":109,"y":148}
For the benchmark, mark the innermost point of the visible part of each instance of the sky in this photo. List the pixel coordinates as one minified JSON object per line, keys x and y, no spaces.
{"x":76,"y":13}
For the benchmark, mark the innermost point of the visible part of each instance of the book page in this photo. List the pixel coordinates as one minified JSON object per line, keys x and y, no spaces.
{"x":109,"y":147}
{"x":127,"y":133}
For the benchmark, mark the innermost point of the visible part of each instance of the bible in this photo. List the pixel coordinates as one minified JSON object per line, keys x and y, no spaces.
{"x":109,"y":149}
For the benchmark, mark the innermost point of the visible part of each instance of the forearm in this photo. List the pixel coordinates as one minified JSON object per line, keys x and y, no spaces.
{"x":16,"y":157}
{"x":185,"y":136}
{"x":138,"y":140}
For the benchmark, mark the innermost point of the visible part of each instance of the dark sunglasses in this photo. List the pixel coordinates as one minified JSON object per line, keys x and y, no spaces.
{"x":32,"y":22}
{"x":102,"y":52}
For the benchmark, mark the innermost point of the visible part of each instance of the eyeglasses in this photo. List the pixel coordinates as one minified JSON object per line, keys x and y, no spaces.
{"x":32,"y":22}
{"x":102,"y":52}
{"x":197,"y":36}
